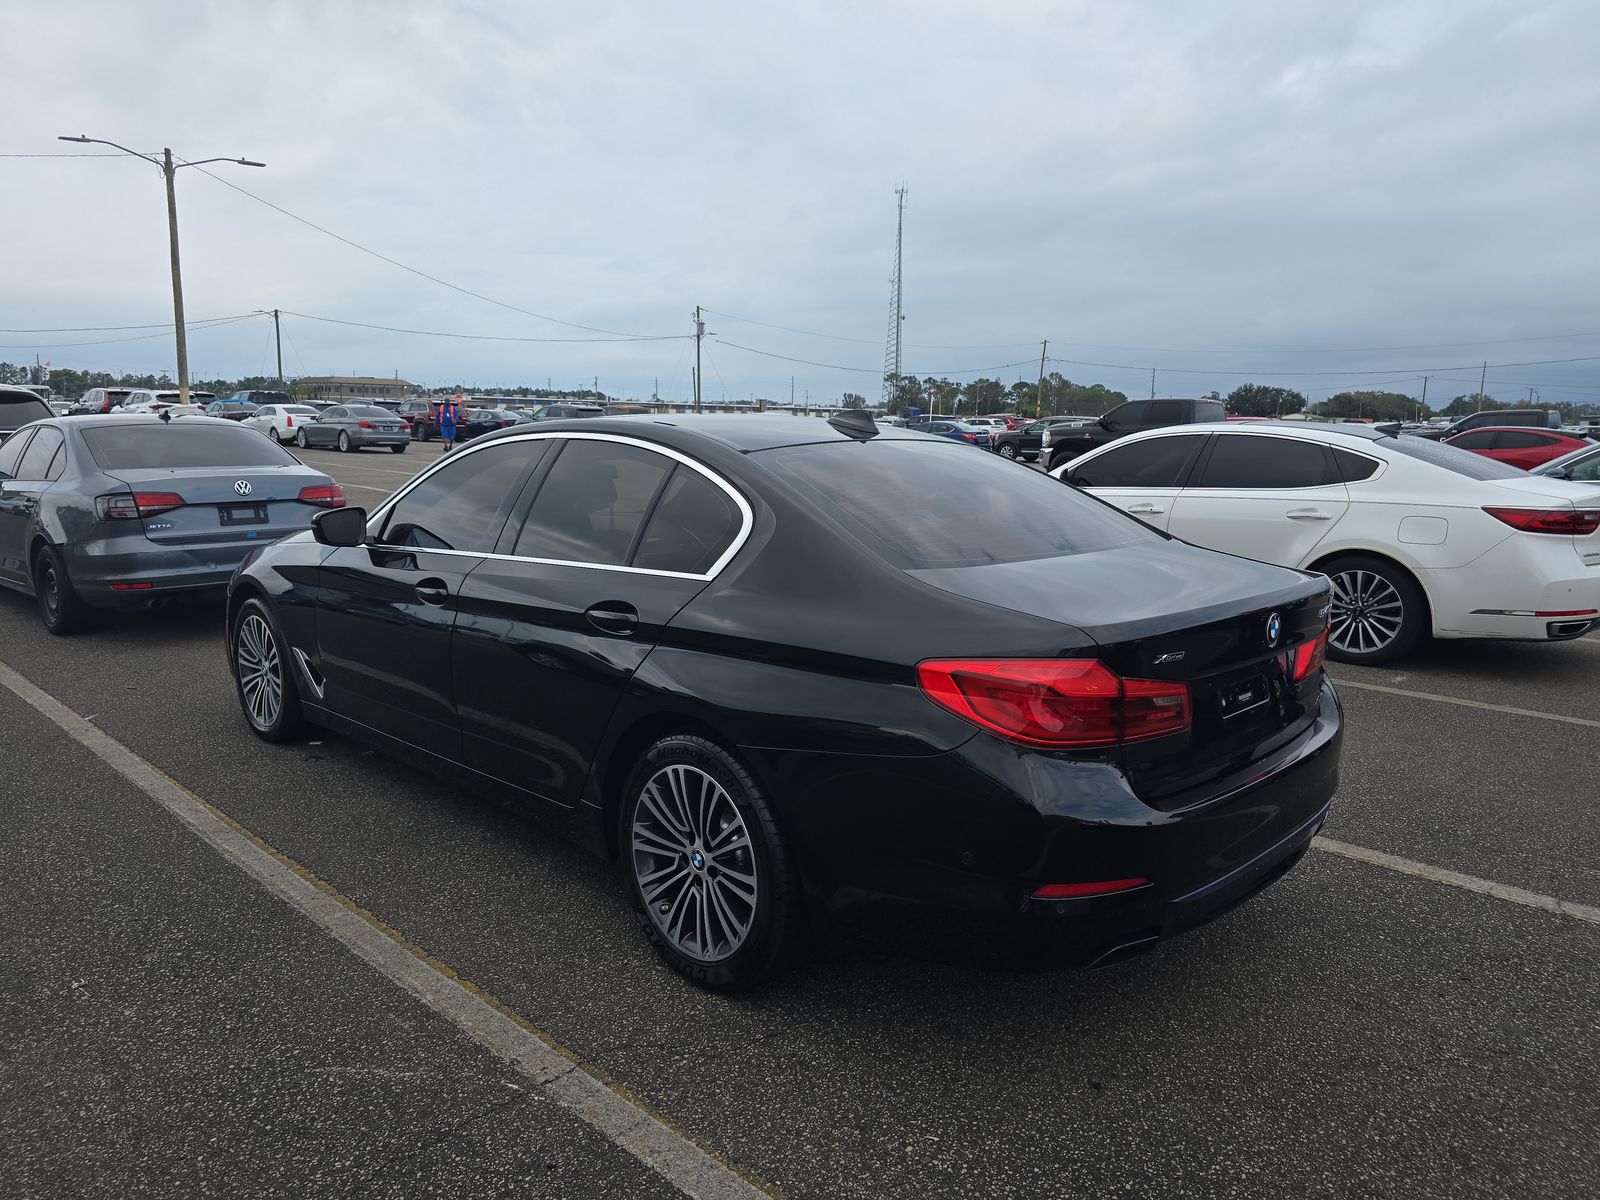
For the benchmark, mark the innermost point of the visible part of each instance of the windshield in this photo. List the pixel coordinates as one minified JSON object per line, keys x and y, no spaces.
{"x":183,"y":444}
{"x":930,"y":503}
{"x":1451,"y":458}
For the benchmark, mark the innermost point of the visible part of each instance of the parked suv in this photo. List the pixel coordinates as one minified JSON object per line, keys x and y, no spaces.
{"x":1537,"y":418}
{"x":1026,"y":441}
{"x":424,"y":418}
{"x":1063,"y":445}
{"x":565,"y":412}
{"x":19,"y":407}
{"x":101,"y":400}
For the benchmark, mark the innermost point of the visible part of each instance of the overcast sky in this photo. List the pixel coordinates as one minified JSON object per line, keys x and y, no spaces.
{"x":1251,"y":189}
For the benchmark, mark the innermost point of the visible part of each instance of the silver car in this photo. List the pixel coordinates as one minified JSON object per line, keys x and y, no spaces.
{"x":125,"y":511}
{"x":352,"y":427}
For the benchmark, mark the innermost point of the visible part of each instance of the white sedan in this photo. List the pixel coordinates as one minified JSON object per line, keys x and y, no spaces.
{"x":279,"y":420}
{"x":1418,"y":537}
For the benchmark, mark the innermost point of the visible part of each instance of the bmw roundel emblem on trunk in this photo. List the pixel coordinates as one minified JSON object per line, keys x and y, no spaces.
{"x":1274,"y":630}
{"x":242,"y":486}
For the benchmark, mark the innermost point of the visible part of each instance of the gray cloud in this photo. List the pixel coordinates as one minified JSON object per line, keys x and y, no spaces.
{"x":1171,"y":180}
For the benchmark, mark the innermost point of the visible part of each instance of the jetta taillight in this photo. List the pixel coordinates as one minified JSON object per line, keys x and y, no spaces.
{"x":1576,"y":522}
{"x":1063,"y":703}
{"x":323,"y":495}
{"x":1309,"y":656}
{"x":130,"y":506}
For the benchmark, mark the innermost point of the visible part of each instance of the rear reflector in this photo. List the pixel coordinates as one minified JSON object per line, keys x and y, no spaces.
{"x":1068,"y":891}
{"x":130,"y":587}
{"x":323,"y":495}
{"x":1060,"y":703}
{"x":130,"y":506}
{"x":1577,"y":522}
{"x":1309,"y":656}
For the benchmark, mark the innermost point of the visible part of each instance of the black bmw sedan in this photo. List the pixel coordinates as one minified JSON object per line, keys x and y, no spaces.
{"x":122,"y":512}
{"x":801,"y":675}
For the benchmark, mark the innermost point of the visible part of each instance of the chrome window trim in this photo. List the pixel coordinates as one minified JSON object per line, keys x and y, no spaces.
{"x":746,"y":513}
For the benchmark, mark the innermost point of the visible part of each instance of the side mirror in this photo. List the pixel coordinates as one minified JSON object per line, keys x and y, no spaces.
{"x":1557,"y":473}
{"x":1107,"y":423}
{"x":340,"y":527}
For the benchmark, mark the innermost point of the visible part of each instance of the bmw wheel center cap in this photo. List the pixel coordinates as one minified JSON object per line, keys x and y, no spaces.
{"x":698,"y":859}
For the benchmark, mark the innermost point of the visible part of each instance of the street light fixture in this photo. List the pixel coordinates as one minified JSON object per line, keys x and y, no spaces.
{"x":167,"y":168}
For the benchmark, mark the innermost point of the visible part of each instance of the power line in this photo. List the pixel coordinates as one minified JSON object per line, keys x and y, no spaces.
{"x":867,"y":370}
{"x":120,"y":328}
{"x":394,"y":262}
{"x":143,"y":337}
{"x":480,"y":337}
{"x":1282,"y":374}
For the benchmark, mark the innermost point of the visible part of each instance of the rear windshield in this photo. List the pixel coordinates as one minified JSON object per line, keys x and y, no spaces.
{"x":19,"y":410}
{"x":300,"y":410}
{"x":266,"y":398}
{"x":927,"y":504}
{"x":367,"y":410}
{"x":183,"y":444}
{"x":1452,"y":458}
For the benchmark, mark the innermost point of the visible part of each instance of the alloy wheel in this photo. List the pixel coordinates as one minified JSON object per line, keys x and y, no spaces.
{"x":1368,"y":612}
{"x":693,"y":862}
{"x":260,"y":671}
{"x":1007,"y":450}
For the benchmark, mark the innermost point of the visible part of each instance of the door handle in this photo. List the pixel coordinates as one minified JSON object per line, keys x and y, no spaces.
{"x":1308,"y":514}
{"x":613,"y":616}
{"x":433,"y":591}
{"x":1145,"y":508}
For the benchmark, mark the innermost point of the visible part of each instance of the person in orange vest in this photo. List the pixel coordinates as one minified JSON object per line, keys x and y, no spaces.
{"x":449,"y":417}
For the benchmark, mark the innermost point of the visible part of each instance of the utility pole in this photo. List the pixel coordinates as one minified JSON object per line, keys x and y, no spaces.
{"x":277,"y":333}
{"x":791,"y":391}
{"x":1043,"y":346}
{"x":1483,"y":377}
{"x":699,"y":336}
{"x":1424,"y":395}
{"x":168,"y":170}
{"x":1152,"y":383}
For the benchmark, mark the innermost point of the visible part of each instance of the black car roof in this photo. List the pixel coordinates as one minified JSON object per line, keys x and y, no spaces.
{"x":746,"y":432}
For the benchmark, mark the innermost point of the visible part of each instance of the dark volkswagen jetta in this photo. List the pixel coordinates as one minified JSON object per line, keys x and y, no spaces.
{"x":799,"y":675}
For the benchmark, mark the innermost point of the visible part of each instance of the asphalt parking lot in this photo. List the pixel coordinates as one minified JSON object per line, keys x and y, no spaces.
{"x":207,"y":944}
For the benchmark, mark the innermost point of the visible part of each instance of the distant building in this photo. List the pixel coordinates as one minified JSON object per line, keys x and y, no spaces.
{"x":344,"y":387}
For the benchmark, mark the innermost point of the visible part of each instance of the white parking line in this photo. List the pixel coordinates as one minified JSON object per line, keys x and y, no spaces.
{"x":1470,"y":883}
{"x":553,"y":1070}
{"x":1587,"y":722}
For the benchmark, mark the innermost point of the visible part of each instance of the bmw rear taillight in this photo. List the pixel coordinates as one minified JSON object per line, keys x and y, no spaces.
{"x":323,"y":495}
{"x":1576,"y":522}
{"x":365,"y":425}
{"x":1061,"y":704}
{"x":130,"y":506}
{"x":1309,"y":656}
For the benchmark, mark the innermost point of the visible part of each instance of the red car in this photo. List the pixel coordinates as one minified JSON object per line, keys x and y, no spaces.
{"x":1518,"y":447}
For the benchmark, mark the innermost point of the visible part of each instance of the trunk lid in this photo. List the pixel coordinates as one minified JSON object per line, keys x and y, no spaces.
{"x":225,"y":506}
{"x":1171,"y":611}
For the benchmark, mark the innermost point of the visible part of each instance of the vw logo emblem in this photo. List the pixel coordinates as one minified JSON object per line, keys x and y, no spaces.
{"x":1274,"y":630}
{"x":242,"y":486}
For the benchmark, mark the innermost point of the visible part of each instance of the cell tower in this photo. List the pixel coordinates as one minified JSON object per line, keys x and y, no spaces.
{"x":891,"y":352}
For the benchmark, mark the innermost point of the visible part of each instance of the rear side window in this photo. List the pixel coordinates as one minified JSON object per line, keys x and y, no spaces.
{"x":16,"y":411}
{"x":10,"y":451}
{"x":463,"y":506}
{"x":1353,"y":468}
{"x":35,"y":463}
{"x":183,"y":443}
{"x":1473,"y":441}
{"x":1266,"y":463}
{"x":692,"y":525}
{"x":1509,"y":440}
{"x":1453,"y":458}
{"x":933,"y":503}
{"x":1157,"y":463}
{"x":1167,"y":412}
{"x":592,"y":503}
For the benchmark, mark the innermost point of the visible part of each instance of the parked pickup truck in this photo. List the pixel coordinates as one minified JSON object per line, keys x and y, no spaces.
{"x":1024,"y":441}
{"x":1062,"y":445}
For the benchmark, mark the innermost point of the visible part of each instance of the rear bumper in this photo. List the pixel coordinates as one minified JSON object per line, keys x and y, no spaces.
{"x":381,"y":439}
{"x":943,"y":854}
{"x":95,"y":570}
{"x":1526,"y":600}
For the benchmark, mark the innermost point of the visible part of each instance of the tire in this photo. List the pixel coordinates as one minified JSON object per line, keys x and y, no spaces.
{"x":301,"y":440}
{"x":1007,"y":450}
{"x":60,"y":607}
{"x":1060,"y":458}
{"x":258,"y":650}
{"x":344,"y":442}
{"x":681,"y":782}
{"x":400,"y":449}
{"x":1390,"y":616}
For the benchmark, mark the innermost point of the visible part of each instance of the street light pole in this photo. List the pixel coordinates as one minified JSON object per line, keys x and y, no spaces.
{"x":168,"y":169}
